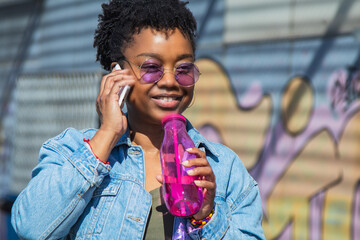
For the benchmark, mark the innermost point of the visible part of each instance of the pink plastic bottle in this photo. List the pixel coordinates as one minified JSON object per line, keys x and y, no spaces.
{"x":182,"y":197}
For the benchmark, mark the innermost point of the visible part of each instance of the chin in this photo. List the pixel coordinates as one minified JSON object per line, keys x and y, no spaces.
{"x":163,"y":114}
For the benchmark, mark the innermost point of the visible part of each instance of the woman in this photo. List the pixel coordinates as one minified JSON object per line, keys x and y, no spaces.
{"x":105,"y":183}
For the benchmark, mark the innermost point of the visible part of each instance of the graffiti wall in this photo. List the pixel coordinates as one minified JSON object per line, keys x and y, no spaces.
{"x":282,"y":89}
{"x":307,"y":163}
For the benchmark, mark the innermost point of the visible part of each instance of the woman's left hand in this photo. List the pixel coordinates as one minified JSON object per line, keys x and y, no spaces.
{"x":206,"y":180}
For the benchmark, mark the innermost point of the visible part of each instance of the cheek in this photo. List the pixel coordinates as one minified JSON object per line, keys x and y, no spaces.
{"x":138,"y":95}
{"x":190,"y":96}
{"x":190,"y":92}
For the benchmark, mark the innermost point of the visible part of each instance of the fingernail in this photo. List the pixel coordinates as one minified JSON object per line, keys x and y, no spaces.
{"x":185,"y":163}
{"x":188,"y":149}
{"x":190,"y":172}
{"x":197,"y":182}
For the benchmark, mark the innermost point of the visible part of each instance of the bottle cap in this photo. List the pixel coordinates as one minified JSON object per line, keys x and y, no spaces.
{"x":172,"y":116}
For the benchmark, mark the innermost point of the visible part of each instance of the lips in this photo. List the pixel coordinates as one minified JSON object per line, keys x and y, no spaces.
{"x":167,"y":101}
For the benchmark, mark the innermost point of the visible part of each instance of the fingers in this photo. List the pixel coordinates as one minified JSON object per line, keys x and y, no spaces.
{"x":197,"y":152}
{"x":105,"y":78}
{"x":205,"y":184}
{"x":201,"y":161}
{"x":107,"y":103}
{"x":206,"y":180}
{"x":102,"y":83}
{"x":201,"y":171}
{"x":201,"y":168}
{"x":159,"y":178}
{"x":113,"y":81}
{"x":107,"y":82}
{"x":110,"y":87}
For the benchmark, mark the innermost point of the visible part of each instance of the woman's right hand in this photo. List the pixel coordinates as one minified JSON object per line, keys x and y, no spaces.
{"x":111,"y":117}
{"x":113,"y":121}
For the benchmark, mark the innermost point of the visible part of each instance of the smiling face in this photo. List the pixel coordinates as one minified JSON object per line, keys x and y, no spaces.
{"x":150,"y":102}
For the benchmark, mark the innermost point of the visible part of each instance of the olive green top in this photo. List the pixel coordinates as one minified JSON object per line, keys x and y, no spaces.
{"x":160,"y":221}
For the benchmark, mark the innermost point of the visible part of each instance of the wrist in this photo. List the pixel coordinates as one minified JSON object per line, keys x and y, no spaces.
{"x":199,"y":223}
{"x":204,"y":212}
{"x":91,"y":149}
{"x":102,"y":144}
{"x":111,"y":133}
{"x":114,"y":128}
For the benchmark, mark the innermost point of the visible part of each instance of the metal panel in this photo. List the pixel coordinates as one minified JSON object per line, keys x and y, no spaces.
{"x":46,"y":105}
{"x":14,"y":21}
{"x":64,"y":38}
{"x":265,"y":20}
{"x":210,"y":21}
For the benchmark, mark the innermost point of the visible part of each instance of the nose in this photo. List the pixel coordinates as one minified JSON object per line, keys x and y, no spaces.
{"x":168,"y":79}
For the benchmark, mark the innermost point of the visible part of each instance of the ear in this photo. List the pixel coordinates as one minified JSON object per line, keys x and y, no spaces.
{"x":113,"y":65}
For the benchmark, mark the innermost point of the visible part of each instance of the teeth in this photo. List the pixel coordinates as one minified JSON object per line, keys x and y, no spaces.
{"x":167,"y":99}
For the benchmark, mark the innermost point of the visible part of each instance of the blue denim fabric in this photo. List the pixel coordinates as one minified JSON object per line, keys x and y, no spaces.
{"x":72,"y":195}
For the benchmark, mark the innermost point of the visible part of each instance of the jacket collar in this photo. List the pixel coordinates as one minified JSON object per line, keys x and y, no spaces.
{"x":199,"y":140}
{"x":194,"y":134}
{"x":125,"y":138}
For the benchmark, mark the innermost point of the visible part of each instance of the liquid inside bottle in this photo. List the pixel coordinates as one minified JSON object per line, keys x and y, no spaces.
{"x":182,"y":197}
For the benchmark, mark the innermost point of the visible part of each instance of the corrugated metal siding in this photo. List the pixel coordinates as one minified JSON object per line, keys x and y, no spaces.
{"x":13,"y":23}
{"x":211,"y":39}
{"x":213,"y":26}
{"x":61,"y":43}
{"x":47,"y":104}
{"x":274,"y":63}
{"x":266,"y":20}
{"x":64,"y":38}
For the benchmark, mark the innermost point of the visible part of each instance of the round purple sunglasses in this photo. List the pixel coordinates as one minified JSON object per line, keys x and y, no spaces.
{"x":151,"y":71}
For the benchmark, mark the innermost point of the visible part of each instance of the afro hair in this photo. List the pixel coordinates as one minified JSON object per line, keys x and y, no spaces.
{"x":121,"y":19}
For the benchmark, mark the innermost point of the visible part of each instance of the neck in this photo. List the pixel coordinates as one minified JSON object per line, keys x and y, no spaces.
{"x":149,"y":137}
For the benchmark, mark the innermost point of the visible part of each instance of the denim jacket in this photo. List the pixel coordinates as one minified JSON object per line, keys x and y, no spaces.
{"x":72,"y":195}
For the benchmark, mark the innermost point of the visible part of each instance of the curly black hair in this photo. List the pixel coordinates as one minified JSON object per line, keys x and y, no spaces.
{"x":121,"y":19}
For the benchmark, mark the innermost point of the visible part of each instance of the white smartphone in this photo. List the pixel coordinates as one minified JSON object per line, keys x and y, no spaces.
{"x":124,"y":91}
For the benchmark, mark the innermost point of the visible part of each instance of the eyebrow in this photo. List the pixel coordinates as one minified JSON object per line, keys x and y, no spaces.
{"x":158,"y":56}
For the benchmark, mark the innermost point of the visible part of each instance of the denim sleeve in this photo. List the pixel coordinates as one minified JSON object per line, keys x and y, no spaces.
{"x":61,"y":187}
{"x":238,"y":214}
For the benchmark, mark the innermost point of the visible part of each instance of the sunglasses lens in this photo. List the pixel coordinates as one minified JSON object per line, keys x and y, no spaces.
{"x":187,"y":74}
{"x":151,"y":71}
